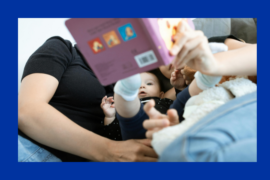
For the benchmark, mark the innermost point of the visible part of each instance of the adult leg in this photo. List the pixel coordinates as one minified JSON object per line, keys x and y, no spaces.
{"x":30,"y":152}
{"x":227,"y":134}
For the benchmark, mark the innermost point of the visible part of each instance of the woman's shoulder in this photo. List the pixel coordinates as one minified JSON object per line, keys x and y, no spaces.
{"x":58,"y":47}
{"x":52,"y":57}
{"x":59,"y":41}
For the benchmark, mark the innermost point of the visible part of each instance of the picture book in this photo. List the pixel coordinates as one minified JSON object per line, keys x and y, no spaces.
{"x":116,"y":48}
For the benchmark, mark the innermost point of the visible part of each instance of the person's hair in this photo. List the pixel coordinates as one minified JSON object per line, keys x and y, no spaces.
{"x":164,"y":81}
{"x":159,"y":82}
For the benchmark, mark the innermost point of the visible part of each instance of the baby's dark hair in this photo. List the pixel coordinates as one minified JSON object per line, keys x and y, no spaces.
{"x":164,"y":81}
{"x":154,"y":72}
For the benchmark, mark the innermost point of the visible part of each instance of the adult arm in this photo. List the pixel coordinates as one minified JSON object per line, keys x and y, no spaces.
{"x":241,"y":61}
{"x":46,"y":125}
{"x":234,"y":43}
{"x":191,"y":48}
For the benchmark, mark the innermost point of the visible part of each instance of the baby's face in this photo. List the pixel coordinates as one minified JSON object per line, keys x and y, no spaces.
{"x":150,"y":86}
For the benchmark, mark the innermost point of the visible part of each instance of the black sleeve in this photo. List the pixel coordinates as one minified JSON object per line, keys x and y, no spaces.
{"x":180,"y":102}
{"x":51,"y":58}
{"x":221,"y":39}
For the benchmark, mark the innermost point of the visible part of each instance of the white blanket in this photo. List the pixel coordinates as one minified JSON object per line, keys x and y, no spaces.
{"x":199,"y":106}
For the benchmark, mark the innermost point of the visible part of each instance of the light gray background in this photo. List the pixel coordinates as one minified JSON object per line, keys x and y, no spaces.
{"x":33,"y":32}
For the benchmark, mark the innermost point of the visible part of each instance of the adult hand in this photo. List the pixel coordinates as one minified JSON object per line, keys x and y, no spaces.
{"x":158,"y":121}
{"x":191,"y":48}
{"x":177,"y":80}
{"x":132,"y":151}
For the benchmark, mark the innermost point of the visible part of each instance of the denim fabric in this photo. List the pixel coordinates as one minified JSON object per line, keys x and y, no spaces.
{"x":228,"y":134}
{"x":30,"y":152}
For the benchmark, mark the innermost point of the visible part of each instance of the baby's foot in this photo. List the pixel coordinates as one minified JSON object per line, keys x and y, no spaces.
{"x":188,"y":74}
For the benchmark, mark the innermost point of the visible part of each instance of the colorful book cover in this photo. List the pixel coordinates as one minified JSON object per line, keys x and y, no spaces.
{"x":116,"y":48}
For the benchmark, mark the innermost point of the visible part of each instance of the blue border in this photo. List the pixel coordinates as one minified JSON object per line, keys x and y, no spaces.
{"x":11,"y":169}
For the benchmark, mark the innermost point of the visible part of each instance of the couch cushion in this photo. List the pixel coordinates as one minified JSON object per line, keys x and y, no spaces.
{"x":244,"y":28}
{"x":213,"y":26}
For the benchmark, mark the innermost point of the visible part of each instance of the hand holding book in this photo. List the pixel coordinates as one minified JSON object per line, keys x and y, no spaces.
{"x":116,"y":48}
{"x":191,"y":48}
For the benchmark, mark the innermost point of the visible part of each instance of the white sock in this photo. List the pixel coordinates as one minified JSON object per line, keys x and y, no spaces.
{"x":217,"y":47}
{"x":205,"y":81}
{"x":128,"y":88}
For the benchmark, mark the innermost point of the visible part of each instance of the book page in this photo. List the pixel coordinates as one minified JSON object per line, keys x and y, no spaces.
{"x":168,"y":28}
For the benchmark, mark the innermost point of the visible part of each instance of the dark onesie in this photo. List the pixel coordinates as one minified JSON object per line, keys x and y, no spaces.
{"x":79,"y":93}
{"x":132,"y":128}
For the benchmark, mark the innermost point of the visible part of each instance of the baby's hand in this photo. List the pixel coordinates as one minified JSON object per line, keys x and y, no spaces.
{"x":107,"y":107}
{"x":177,"y":80}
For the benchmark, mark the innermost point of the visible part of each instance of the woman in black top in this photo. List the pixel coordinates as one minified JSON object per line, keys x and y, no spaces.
{"x":59,"y":109}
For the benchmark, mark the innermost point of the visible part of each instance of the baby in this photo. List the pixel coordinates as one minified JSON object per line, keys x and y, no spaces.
{"x":131,"y":93}
{"x":150,"y":88}
{"x":130,"y":112}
